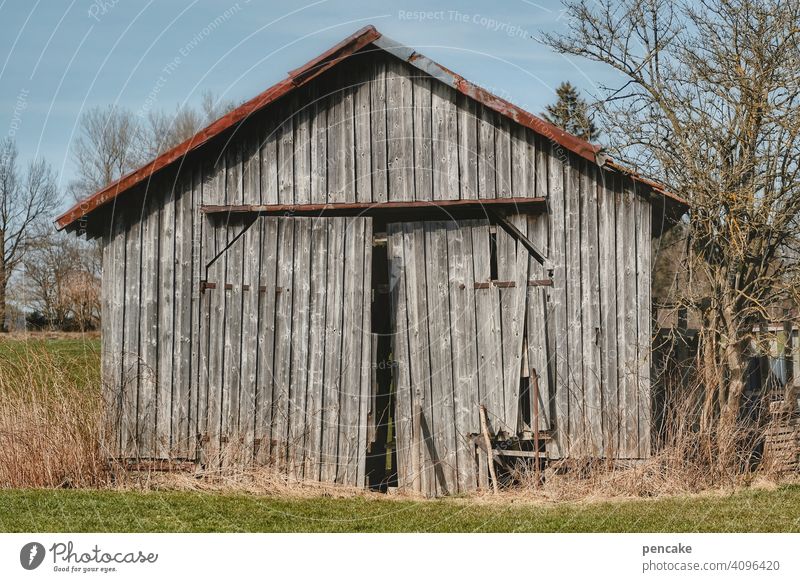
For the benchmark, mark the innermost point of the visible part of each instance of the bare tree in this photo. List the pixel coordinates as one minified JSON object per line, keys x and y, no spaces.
{"x":109,"y":146}
{"x":114,"y":141}
{"x":710,"y":104}
{"x":26,"y":202}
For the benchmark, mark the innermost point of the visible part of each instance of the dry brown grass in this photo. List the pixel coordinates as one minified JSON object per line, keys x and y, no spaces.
{"x":50,"y":422}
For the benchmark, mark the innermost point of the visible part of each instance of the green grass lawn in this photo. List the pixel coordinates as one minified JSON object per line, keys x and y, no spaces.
{"x":77,"y":354}
{"x":116,"y":511}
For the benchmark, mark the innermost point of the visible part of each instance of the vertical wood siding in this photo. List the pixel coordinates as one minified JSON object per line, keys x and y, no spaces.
{"x":183,"y":367}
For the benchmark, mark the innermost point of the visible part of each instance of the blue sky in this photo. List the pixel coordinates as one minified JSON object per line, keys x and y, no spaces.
{"x":60,"y":57}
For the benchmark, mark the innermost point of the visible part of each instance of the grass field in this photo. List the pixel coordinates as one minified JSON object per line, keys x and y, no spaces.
{"x":117,"y":511}
{"x":49,"y":389}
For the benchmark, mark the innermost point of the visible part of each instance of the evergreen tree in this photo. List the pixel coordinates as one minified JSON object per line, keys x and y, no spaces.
{"x":570,"y":113}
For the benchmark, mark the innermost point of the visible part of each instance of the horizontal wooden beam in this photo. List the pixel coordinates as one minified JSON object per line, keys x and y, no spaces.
{"x":456,"y":207}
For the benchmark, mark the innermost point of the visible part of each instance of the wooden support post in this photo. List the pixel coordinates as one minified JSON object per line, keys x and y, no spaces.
{"x":489,"y":456}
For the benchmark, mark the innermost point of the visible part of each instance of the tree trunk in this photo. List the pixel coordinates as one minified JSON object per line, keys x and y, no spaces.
{"x":3,"y":283}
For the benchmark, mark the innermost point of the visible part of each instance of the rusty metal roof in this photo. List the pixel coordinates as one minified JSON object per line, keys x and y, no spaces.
{"x":302,"y":75}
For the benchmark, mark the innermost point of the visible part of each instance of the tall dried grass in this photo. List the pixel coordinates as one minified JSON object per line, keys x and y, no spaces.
{"x":51,"y":420}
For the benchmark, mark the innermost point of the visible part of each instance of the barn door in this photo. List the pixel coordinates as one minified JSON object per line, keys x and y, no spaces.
{"x":286,"y":328}
{"x":467,"y":331}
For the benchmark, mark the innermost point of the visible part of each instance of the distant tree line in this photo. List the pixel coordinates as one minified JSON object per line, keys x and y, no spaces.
{"x":51,"y":280}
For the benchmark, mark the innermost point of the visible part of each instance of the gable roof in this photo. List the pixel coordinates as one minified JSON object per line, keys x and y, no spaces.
{"x":312,"y":69}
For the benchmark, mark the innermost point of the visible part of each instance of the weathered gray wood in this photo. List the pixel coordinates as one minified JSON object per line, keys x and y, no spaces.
{"x":467,"y":146}
{"x":269,"y":163}
{"x":251,"y":243}
{"x":341,"y":161}
{"x":486,"y":154}
{"x":333,"y":348}
{"x":265,"y":375}
{"x":378,"y":120}
{"x":399,"y":130}
{"x":488,"y":329}
{"x":445,"y":144}
{"x":419,"y":348}
{"x":316,"y":347}
{"x":367,"y":352}
{"x":590,"y":307}
{"x":439,"y":327}
{"x":148,"y":328}
{"x":298,"y":380}
{"x":575,"y":382}
{"x":165,"y":347}
{"x":643,"y":313}
{"x":626,"y":271}
{"x":400,"y":350}
{"x":559,"y":446}
{"x":284,"y":293}
{"x":285,"y":158}
{"x":319,"y":146}
{"x":113,"y":327}
{"x":232,"y":317}
{"x":608,"y":312}
{"x":423,"y":135}
{"x":363,"y":138}
{"x":503,"y":157}
{"x":130,"y":346}
{"x":464,"y":348}
{"x":302,"y":152}
{"x":352,"y":333}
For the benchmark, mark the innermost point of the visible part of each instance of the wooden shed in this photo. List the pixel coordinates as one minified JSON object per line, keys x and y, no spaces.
{"x":335,"y":276}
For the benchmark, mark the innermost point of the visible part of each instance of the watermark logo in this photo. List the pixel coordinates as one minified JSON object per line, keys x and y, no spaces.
{"x":31,"y":555}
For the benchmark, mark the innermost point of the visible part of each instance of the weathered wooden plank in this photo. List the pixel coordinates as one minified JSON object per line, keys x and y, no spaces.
{"x":232,"y":346}
{"x":285,"y":156}
{"x":302,"y":150}
{"x":194,"y":318}
{"x":148,"y":331}
{"x":503,"y":156}
{"x":378,"y":120}
{"x":251,"y":244}
{"x":269,"y":163}
{"x":464,"y":348}
{"x":438,"y":323}
{"x":350,"y":382}
{"x":281,"y":390}
{"x":445,"y":144}
{"x":319,"y":145}
{"x":333,"y":350}
{"x":363,"y":137}
{"x":575,"y":383}
{"x":265,"y":374}
{"x":367,"y":352}
{"x":419,"y":353}
{"x":643,"y":314}
{"x":165,"y":348}
{"x":400,"y":350}
{"x":608,"y":312}
{"x":298,"y":381}
{"x":316,"y":348}
{"x":557,"y":347}
{"x":399,"y":130}
{"x":627,"y":324}
{"x":590,"y":308}
{"x":513,"y":260}
{"x":423,"y":147}
{"x":467,"y":146}
{"x":113,"y":328}
{"x":487,"y":172}
{"x":130,"y":344}
{"x":488,"y":322}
